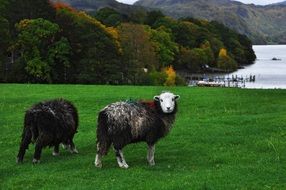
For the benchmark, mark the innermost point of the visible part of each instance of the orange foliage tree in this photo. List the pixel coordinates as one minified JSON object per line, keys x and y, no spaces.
{"x":222,"y":52}
{"x":61,"y":5}
{"x":225,"y":62}
{"x":171,"y":76}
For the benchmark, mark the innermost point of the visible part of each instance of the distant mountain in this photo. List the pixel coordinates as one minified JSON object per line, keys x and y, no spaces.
{"x":280,"y":3}
{"x":262,"y":24}
{"x":94,"y":5}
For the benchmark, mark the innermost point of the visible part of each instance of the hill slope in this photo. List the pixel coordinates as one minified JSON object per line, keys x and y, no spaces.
{"x":94,"y":5}
{"x":280,"y":3}
{"x":263,"y":24}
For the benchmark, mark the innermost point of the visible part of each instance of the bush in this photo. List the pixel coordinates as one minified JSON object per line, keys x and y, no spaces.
{"x":157,"y":78}
{"x":180,"y":81}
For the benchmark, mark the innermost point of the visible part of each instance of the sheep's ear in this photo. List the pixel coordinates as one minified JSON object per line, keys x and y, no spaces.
{"x":156,"y":98}
{"x":177,"y":97}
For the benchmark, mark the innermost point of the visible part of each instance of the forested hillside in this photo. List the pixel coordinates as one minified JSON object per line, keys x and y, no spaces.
{"x":262,"y":24}
{"x":45,"y":42}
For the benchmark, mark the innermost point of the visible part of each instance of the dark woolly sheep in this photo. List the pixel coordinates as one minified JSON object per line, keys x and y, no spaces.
{"x":49,"y":124}
{"x":122,"y":123}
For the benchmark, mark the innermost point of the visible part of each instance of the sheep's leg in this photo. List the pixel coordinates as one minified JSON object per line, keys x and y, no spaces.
{"x":120,"y":159}
{"x":73,"y":148}
{"x":98,"y":157}
{"x":56,"y":151}
{"x":102,"y":149}
{"x":150,"y":155}
{"x":97,"y":161}
{"x":38,"y":151}
{"x":26,"y":140}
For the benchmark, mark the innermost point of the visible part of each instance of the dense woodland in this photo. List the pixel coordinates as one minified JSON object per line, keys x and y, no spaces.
{"x":44,"y":42}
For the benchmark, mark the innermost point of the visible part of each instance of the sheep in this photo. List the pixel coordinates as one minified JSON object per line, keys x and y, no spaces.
{"x":122,"y":123}
{"x":49,"y":123}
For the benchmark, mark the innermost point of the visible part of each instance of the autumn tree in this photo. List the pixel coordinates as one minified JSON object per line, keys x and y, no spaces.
{"x":138,"y":51}
{"x":225,"y":62}
{"x":171,"y":76}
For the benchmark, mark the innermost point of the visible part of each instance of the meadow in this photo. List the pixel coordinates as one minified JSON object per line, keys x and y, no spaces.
{"x":222,"y":139}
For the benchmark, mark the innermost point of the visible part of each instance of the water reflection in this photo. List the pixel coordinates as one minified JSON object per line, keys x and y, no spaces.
{"x":269,"y":73}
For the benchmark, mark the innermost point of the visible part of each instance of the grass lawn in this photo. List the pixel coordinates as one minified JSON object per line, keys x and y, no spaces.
{"x":222,"y":139}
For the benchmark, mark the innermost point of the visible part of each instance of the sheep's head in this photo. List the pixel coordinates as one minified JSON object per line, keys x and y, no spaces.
{"x":167,"y":101}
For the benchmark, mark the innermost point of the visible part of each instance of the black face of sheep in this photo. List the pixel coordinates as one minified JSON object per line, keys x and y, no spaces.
{"x":49,"y":124}
{"x":122,"y":123}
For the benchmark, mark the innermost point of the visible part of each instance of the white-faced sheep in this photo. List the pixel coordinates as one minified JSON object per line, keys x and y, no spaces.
{"x":122,"y":123}
{"x":49,"y":124}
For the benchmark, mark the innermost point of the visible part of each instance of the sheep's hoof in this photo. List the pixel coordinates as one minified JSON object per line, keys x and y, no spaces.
{"x":35,"y":161}
{"x":56,"y":153}
{"x":64,"y":146}
{"x":71,"y":150}
{"x":124,"y":166}
{"x":98,"y":165}
{"x":152,"y":163}
{"x":74,"y":151}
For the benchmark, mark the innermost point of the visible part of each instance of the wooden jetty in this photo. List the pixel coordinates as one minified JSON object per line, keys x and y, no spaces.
{"x":219,"y":81}
{"x":209,"y":84}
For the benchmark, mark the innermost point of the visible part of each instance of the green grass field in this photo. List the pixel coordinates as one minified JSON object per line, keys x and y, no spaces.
{"x":222,"y":139}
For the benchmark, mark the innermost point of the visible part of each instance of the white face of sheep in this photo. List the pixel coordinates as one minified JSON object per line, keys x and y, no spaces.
{"x":167,"y":101}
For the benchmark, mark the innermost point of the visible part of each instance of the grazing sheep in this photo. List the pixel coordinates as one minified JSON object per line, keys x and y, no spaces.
{"x":122,"y":123}
{"x":49,"y":124}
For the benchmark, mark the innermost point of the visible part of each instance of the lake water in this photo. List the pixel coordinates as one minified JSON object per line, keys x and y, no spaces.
{"x":269,"y":74}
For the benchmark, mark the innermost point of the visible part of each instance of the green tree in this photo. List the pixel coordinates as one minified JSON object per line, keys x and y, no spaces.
{"x":95,"y":47}
{"x":153,"y":16}
{"x":185,"y":34}
{"x":216,"y":46}
{"x":166,"y":48}
{"x":206,"y":46}
{"x":110,"y":17}
{"x":137,"y":16}
{"x":192,"y":59}
{"x":157,"y":78}
{"x":59,"y":59}
{"x":14,"y":11}
{"x":3,"y":8}
{"x":167,"y":22}
{"x":239,"y":47}
{"x":29,"y":9}
{"x":4,"y":44}
{"x":39,"y":48}
{"x":246,"y":44}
